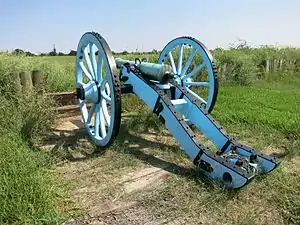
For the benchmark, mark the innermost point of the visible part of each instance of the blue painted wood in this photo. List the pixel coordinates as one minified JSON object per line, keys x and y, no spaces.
{"x":176,"y":114}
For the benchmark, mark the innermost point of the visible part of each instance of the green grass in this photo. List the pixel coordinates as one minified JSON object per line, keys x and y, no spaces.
{"x":256,"y":107}
{"x":280,"y":81}
{"x":28,"y":190}
{"x":265,"y":114}
{"x":270,"y":199}
{"x":57,"y":75}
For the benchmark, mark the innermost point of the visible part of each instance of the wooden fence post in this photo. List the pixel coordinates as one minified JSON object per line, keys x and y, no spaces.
{"x":16,"y":81}
{"x":26,"y":81}
{"x":267,"y":66}
{"x":37,"y":81}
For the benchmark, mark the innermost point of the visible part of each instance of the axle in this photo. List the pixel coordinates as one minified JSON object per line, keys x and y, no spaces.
{"x":152,"y":71}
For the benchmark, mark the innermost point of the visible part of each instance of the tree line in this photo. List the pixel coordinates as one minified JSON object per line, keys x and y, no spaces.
{"x":71,"y":53}
{"x":52,"y":53}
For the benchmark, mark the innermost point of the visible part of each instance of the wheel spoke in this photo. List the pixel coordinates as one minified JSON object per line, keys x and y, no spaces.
{"x":196,"y":96}
{"x":97,"y":121}
{"x":105,"y":112}
{"x":180,"y":54}
{"x":197,"y":84}
{"x":99,"y":69}
{"x":198,"y":68}
{"x":88,"y":61}
{"x":172,"y":62}
{"x":81,"y":104}
{"x":91,"y":112}
{"x":93,"y":58}
{"x":102,"y":123}
{"x":188,"y":62}
{"x":107,"y":87}
{"x":87,"y":74}
{"x":105,"y":96}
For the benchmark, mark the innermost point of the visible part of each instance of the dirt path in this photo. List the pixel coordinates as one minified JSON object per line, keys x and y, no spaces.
{"x":108,"y":195}
{"x":145,"y":178}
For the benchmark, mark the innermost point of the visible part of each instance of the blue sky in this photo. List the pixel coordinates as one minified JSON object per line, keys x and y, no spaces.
{"x":35,"y":25}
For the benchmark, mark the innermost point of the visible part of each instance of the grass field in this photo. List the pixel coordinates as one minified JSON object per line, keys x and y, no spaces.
{"x":264,"y":114}
{"x":263,"y":118}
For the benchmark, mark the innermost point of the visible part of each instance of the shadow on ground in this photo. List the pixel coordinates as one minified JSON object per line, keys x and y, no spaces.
{"x":75,"y":145}
{"x":71,"y":143}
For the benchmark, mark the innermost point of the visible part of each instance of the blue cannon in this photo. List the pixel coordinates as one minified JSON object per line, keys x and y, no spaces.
{"x":181,"y":89}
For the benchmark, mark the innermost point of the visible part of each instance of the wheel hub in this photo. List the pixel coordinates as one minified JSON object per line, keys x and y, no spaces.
{"x":80,"y":92}
{"x":178,"y":80}
{"x":187,"y":80}
{"x":89,"y":92}
{"x":181,"y":81}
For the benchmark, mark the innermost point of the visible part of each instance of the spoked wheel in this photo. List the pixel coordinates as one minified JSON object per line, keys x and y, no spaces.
{"x":98,"y":89}
{"x":194,"y":69}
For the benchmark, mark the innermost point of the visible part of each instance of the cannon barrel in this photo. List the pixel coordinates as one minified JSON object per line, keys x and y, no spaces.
{"x":153,"y":71}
